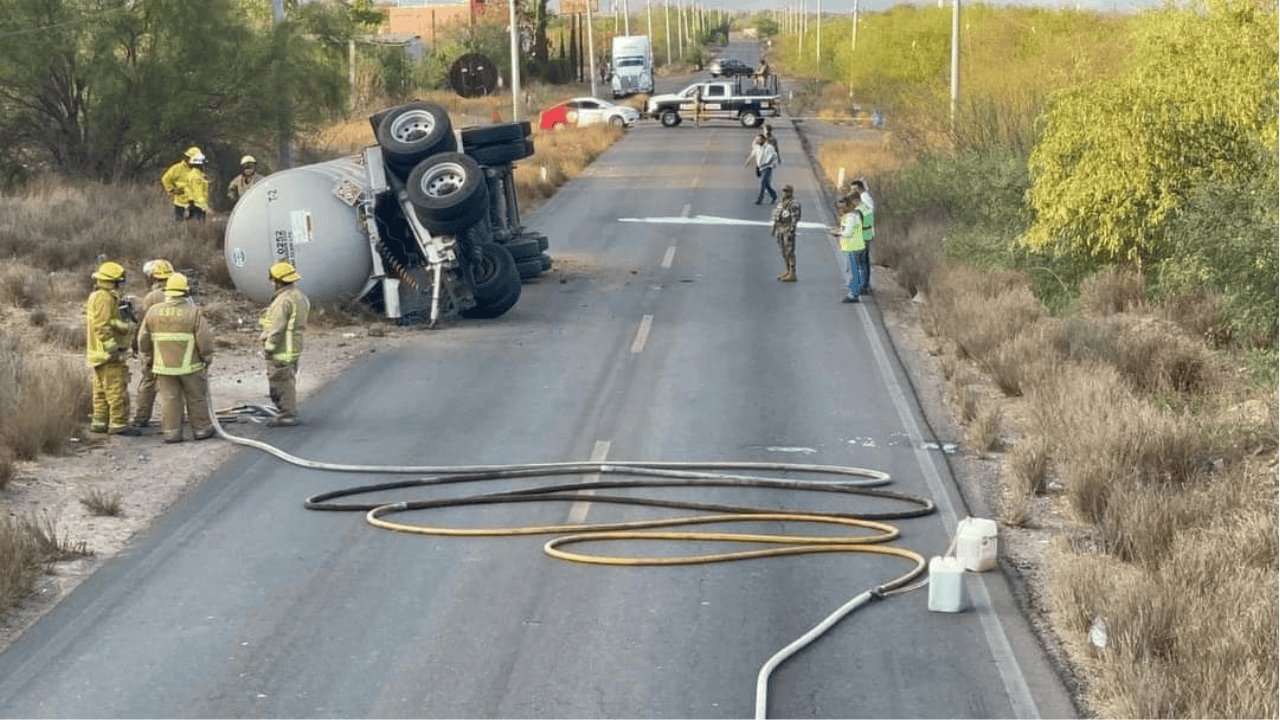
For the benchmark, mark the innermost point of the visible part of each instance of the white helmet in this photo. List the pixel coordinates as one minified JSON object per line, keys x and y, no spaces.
{"x":199,"y":159}
{"x":248,"y":160}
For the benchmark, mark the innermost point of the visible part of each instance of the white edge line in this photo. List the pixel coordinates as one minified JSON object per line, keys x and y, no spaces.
{"x":578,"y":511}
{"x":642,"y":334}
{"x":1015,"y":683}
{"x":1021,"y":700}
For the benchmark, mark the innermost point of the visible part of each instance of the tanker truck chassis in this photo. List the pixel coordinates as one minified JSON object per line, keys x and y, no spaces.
{"x":424,"y":225}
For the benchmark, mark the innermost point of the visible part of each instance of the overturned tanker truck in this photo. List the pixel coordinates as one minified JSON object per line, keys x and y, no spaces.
{"x":422,"y":226}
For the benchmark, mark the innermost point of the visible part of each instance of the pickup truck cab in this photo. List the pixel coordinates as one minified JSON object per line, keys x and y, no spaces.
{"x":721,"y":100}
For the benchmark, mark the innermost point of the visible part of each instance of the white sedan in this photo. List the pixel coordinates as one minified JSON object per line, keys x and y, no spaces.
{"x":587,"y":111}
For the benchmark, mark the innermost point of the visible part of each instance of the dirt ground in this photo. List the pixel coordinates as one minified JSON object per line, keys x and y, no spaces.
{"x":150,"y":475}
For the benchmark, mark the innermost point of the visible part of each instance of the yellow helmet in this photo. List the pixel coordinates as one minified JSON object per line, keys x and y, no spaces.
{"x":284,"y":272}
{"x":110,"y":272}
{"x":176,"y":285}
{"x":248,"y":160}
{"x":157,"y":269}
{"x":192,"y":153}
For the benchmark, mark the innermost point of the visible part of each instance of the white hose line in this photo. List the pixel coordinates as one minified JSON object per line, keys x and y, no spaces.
{"x":872,"y":477}
{"x":800,"y":643}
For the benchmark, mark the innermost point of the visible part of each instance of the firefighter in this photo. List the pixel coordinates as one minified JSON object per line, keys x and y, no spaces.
{"x":107,"y":335}
{"x":282,"y":326}
{"x":157,"y":271}
{"x":177,"y":344}
{"x":187,"y":185}
{"x":247,"y":178}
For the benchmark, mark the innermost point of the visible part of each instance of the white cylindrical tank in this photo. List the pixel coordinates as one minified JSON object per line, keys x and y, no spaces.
{"x":300,"y":215}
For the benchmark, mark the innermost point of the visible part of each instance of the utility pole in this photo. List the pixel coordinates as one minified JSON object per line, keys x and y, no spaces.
{"x":955,"y":61}
{"x":626,"y":17}
{"x":515,"y":62}
{"x":666,"y":11}
{"x":680,"y":28}
{"x":286,"y":133}
{"x":591,"y":47}
{"x":648,"y":19}
{"x":817,"y":53}
{"x":803,"y":23}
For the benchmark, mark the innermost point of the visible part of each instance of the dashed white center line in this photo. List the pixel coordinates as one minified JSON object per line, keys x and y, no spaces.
{"x":578,"y":513}
{"x":642,"y":334}
{"x":669,"y":257}
{"x":684,"y":211}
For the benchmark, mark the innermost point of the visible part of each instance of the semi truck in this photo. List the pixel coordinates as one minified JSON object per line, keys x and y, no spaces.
{"x":632,"y":65}
{"x":423,"y":225}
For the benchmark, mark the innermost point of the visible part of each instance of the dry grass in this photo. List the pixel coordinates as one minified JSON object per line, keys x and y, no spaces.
{"x":56,"y":226}
{"x":103,"y":502}
{"x":1027,"y":465}
{"x":981,"y":310}
{"x":869,"y":158}
{"x":983,"y":432}
{"x":42,"y":400}
{"x":564,"y":155}
{"x":1111,"y":291}
{"x":1168,"y":465}
{"x":28,"y":545}
{"x":1019,"y":362}
{"x":911,"y":248}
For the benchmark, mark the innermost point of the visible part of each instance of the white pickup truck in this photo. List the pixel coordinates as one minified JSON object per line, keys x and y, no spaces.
{"x":721,"y":100}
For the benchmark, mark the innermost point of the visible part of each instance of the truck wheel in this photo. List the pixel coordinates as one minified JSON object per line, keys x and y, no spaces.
{"x":670,"y":118}
{"x":523,"y":248}
{"x":481,"y":135}
{"x":546,"y":261}
{"x":749,"y":119}
{"x":529,"y":268}
{"x":496,"y":282}
{"x":415,"y":131}
{"x":449,"y":192}
{"x":502,"y":154}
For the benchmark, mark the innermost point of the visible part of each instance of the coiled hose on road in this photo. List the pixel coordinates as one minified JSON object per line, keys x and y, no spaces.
{"x":873,"y":532}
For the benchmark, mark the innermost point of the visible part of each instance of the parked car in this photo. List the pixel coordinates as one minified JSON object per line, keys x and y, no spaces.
{"x":587,"y":111}
{"x":729,"y":67}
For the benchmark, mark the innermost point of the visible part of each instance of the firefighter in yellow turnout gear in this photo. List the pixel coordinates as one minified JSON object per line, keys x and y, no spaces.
{"x":158,"y":271}
{"x":177,"y":343}
{"x":282,"y":326}
{"x":187,"y":186}
{"x":107,"y":336}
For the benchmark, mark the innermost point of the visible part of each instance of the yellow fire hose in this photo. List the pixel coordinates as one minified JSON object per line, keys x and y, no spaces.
{"x":870,"y":533}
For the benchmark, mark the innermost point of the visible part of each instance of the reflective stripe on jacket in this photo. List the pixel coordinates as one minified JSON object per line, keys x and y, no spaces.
{"x":851,"y":239}
{"x":283,"y":323}
{"x":105,"y":330}
{"x":176,"y":336}
{"x":868,"y":221}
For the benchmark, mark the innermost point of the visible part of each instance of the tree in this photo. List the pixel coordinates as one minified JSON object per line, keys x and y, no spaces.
{"x":112,"y":89}
{"x":1117,"y":161}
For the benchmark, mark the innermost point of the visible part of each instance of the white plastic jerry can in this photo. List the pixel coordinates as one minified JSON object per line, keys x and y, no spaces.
{"x":976,"y":544}
{"x":947,"y":592}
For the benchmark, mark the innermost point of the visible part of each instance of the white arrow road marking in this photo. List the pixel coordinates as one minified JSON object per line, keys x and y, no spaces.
{"x":714,"y":220}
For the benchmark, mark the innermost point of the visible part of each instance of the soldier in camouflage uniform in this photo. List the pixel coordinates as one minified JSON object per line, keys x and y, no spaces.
{"x":786,"y":218}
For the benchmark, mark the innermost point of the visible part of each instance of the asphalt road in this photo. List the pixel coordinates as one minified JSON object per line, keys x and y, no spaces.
{"x":666,"y":341}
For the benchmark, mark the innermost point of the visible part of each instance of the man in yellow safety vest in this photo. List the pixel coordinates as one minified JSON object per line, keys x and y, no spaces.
{"x":178,"y":345}
{"x":282,"y":326}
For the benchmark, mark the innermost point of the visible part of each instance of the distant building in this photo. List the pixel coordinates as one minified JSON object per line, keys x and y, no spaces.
{"x":428,"y":18}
